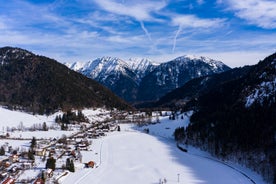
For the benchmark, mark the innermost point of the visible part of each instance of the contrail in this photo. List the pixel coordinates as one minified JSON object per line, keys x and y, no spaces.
{"x":145,"y":30}
{"x":175,"y":37}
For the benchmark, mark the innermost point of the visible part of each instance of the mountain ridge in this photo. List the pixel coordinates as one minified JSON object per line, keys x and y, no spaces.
{"x":147,"y":80}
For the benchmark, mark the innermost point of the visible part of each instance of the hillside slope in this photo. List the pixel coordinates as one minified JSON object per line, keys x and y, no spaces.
{"x":199,"y":86}
{"x":42,"y":85}
{"x":236,"y":119}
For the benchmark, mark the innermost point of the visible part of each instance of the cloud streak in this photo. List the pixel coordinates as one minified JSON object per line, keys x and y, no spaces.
{"x":175,"y":37}
{"x":145,"y":30}
{"x":140,"y":11}
{"x":257,"y":12}
{"x":193,"y":22}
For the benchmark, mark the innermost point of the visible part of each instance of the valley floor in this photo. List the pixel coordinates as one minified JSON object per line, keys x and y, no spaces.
{"x":133,"y":157}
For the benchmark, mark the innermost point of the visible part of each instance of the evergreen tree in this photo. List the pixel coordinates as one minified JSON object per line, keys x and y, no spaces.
{"x":70,"y":165}
{"x":2,"y":151}
{"x":31,"y":155}
{"x":67,"y":165}
{"x":63,"y":126}
{"x":44,"y":127}
{"x":179,"y":134}
{"x":51,"y":163}
{"x":33,"y":143}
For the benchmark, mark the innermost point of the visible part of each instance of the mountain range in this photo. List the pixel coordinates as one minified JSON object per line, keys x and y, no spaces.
{"x":139,"y":80}
{"x":42,"y":85}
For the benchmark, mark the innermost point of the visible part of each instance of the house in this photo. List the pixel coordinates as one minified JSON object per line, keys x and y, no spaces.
{"x":81,"y":146}
{"x":13,"y":158}
{"x":7,"y":164}
{"x":27,"y":165}
{"x":50,"y":173}
{"x":40,"y":152}
{"x":9,"y":180}
{"x":90,"y":164}
{"x":3,"y":160}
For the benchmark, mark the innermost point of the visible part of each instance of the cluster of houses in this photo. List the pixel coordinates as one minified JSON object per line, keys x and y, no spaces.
{"x":14,"y":163}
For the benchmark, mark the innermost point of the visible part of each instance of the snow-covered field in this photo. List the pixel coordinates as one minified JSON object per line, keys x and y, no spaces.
{"x":131,"y":156}
{"x":15,"y":119}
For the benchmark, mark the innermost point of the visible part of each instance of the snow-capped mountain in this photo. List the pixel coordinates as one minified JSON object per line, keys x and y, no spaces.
{"x":122,"y":77}
{"x":101,"y":68}
{"x":141,"y":66}
{"x":75,"y":66}
{"x":173,"y":74}
{"x":143,"y":80}
{"x":248,"y":86}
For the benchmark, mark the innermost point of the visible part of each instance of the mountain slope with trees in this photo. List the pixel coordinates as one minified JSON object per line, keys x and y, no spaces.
{"x":235,"y":119}
{"x":199,"y":86}
{"x":42,"y":85}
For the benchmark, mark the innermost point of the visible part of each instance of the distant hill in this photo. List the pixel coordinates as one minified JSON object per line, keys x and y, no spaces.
{"x":139,"y":80}
{"x":42,"y":85}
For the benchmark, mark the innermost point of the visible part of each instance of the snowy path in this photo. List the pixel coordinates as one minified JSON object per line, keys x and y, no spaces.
{"x":133,"y":157}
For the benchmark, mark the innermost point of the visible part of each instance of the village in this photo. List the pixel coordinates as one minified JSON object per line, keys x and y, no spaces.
{"x":47,"y":160}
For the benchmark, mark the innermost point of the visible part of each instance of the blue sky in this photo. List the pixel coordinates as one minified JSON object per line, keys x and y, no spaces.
{"x":237,"y":32}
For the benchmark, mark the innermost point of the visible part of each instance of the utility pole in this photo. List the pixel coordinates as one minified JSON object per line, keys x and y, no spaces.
{"x":178,"y":178}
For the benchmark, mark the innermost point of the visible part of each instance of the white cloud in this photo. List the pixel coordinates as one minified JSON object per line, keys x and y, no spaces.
{"x":191,"y":21}
{"x":238,"y":58}
{"x":141,"y":11}
{"x":257,"y":12}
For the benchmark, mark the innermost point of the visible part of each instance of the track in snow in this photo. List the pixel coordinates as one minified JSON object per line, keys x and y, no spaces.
{"x":133,"y":157}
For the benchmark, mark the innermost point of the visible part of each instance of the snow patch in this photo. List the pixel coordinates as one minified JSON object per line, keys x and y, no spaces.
{"x":261,"y":92}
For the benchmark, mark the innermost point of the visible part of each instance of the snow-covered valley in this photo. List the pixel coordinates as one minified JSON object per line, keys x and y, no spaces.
{"x":133,"y":155}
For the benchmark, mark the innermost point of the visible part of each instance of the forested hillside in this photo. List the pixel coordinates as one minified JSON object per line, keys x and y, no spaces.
{"x":236,"y":120}
{"x":42,"y":85}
